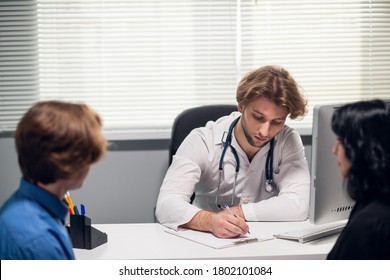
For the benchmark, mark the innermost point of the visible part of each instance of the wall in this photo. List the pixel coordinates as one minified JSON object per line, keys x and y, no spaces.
{"x":122,"y":188}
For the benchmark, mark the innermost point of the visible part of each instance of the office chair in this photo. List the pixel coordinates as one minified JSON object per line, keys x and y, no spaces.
{"x":193,"y":118}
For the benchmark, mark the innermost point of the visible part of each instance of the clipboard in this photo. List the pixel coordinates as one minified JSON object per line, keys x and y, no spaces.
{"x":208,"y":239}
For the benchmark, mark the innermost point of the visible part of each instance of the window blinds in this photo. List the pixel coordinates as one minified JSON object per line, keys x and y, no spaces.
{"x":337,"y":50}
{"x":140,"y":63}
{"x":19,"y":72}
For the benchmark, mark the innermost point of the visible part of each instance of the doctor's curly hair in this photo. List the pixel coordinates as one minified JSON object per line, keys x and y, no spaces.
{"x":276,"y":84}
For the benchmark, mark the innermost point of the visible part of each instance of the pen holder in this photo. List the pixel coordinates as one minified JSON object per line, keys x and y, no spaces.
{"x":83,"y":235}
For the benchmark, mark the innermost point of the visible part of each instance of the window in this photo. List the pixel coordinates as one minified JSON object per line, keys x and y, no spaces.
{"x":140,"y":63}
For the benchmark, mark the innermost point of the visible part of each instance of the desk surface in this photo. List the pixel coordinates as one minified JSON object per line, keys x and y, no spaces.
{"x":150,"y":241}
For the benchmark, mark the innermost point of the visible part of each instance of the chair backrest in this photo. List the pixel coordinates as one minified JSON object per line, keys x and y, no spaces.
{"x":193,"y":118}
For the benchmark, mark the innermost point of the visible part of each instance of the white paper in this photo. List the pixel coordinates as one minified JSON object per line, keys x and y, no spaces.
{"x":208,"y":239}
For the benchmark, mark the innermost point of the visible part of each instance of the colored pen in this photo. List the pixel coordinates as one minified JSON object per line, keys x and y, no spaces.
{"x":70,"y":203}
{"x":76,"y":211}
{"x":231,"y":212}
{"x":71,"y":211}
{"x":82,"y":209}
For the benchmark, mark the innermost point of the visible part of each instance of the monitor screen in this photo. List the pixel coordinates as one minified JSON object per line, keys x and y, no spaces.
{"x":329,"y":201}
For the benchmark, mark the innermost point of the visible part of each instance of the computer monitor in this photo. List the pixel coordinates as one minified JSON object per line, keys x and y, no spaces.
{"x":329,"y":201}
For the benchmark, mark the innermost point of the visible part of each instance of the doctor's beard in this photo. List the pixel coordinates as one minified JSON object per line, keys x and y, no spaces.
{"x":248,"y":136}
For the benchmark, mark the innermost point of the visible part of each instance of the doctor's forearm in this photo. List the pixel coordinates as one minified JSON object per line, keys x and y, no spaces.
{"x":281,"y":208}
{"x":201,"y":221}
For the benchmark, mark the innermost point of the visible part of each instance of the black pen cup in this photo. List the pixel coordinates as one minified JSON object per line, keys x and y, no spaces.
{"x":83,"y":235}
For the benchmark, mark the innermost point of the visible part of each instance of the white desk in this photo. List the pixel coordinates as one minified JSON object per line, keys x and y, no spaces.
{"x":150,"y":241}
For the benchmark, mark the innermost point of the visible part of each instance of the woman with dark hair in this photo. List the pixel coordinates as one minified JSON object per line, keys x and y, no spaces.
{"x":363,"y":156}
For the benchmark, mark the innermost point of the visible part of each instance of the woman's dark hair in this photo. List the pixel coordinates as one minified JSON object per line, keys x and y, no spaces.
{"x":363,"y":128}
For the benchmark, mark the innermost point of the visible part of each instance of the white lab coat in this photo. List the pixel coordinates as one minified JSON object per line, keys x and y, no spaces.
{"x":195,"y":169}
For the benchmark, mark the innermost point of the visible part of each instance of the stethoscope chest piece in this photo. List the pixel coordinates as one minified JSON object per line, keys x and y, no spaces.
{"x":270,"y":186}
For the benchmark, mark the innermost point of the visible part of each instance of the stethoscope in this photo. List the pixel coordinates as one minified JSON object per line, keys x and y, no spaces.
{"x":270,"y":185}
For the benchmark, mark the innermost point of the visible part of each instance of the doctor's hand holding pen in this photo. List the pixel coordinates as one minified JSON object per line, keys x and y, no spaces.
{"x":224,"y":224}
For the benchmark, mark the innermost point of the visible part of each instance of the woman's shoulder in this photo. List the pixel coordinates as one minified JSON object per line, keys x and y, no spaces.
{"x":372,"y":215}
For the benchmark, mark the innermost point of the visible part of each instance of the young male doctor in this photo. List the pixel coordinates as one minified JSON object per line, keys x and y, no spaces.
{"x":248,"y":166}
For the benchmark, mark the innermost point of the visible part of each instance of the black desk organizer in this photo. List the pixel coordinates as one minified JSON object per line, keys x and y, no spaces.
{"x":83,"y":235}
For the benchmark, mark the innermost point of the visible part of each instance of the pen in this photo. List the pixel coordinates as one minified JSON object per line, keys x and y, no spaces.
{"x":70,"y":203}
{"x":82,"y":209}
{"x":71,"y":211}
{"x":76,"y":211}
{"x":231,"y":212}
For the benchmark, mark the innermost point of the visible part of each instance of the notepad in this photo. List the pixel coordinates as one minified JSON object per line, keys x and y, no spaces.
{"x":212,"y":241}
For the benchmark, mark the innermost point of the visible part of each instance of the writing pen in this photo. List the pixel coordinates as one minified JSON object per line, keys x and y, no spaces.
{"x":70,"y":203}
{"x":76,"y":211}
{"x":82,"y":209}
{"x":229,"y":210}
{"x":232,"y":213}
